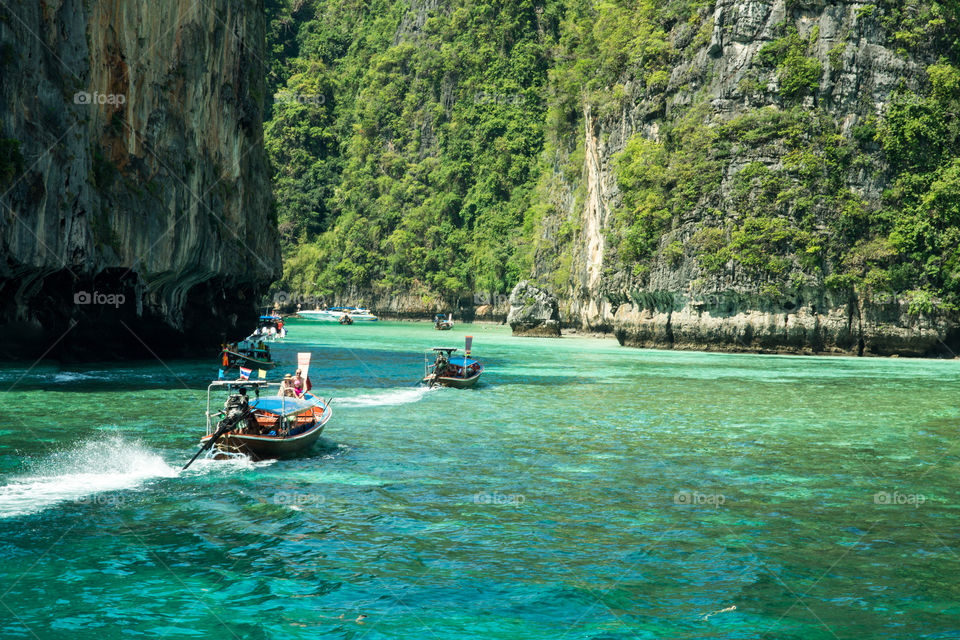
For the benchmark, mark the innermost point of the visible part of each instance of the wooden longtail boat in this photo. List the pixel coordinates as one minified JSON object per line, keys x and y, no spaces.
{"x":273,"y":427}
{"x":459,"y":372}
{"x":253,"y":358}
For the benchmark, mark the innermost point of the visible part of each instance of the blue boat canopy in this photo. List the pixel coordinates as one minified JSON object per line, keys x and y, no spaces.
{"x":462,"y":361}
{"x":270,"y":318}
{"x":283,"y":406}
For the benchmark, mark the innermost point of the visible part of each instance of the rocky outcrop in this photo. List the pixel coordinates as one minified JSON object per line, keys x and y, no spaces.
{"x":533,"y":312}
{"x":820,"y":325}
{"x":136,"y":211}
{"x":673,"y":301}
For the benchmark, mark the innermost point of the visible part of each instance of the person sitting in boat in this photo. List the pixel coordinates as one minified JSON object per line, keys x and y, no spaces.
{"x":440,"y":365}
{"x":299,"y":384}
{"x":286,"y":387}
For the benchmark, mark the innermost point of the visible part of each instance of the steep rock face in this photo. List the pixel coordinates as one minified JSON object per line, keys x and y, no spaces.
{"x":677,"y":301}
{"x":533,"y":312}
{"x":138,"y":172}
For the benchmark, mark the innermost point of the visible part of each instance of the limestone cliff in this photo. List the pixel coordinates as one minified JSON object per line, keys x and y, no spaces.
{"x":134,"y":168}
{"x":692,"y":289}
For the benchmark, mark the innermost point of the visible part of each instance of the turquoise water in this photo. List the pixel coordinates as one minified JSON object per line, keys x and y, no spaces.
{"x":582,"y":490}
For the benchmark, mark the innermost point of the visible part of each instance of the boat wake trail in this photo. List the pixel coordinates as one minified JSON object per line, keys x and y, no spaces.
{"x":384,"y":398}
{"x":86,"y":474}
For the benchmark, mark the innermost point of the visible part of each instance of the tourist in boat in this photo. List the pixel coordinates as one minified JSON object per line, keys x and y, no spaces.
{"x":287,"y":388}
{"x":299,"y":385}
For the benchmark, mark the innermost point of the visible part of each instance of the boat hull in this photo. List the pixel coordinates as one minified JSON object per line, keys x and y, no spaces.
{"x":263,"y":445}
{"x":456,"y":383}
{"x":238,"y":360}
{"x":334,"y":316}
{"x":267,"y":447}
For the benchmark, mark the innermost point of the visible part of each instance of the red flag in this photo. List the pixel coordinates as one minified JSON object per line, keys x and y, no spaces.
{"x":469,"y":343}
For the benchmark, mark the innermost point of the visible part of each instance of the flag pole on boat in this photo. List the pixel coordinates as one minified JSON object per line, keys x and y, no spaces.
{"x":468,"y":342}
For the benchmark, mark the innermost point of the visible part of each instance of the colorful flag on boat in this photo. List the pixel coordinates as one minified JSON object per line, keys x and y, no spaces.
{"x":220,"y":375}
{"x":245,"y":373}
{"x":261,"y":374}
{"x":469,"y":343}
{"x":303,"y":363}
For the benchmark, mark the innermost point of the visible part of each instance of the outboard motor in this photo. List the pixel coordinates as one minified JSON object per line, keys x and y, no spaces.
{"x":235,"y":409}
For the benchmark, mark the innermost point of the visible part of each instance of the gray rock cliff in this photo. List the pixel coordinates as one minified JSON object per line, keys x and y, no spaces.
{"x":533,"y":312}
{"x":135,"y":169}
{"x":675,"y":301}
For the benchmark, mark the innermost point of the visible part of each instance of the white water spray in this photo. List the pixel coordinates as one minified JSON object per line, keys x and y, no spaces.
{"x":91,"y":472}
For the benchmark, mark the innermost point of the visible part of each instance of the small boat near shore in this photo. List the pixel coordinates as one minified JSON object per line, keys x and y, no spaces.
{"x":269,"y":327}
{"x":449,"y":370}
{"x":269,"y":426}
{"x":335,"y":314}
{"x":247,"y":353}
{"x":443,"y":324}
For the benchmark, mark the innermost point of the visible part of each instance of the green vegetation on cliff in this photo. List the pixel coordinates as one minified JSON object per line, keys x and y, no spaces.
{"x":439,"y":148}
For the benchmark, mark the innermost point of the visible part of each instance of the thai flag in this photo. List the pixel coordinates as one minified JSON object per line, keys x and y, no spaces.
{"x":245,"y":373}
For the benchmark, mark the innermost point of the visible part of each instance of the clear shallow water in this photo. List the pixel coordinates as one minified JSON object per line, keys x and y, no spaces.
{"x":582,"y":491}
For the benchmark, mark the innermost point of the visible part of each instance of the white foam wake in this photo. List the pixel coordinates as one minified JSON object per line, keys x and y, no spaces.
{"x":382,"y":398}
{"x":86,"y":473}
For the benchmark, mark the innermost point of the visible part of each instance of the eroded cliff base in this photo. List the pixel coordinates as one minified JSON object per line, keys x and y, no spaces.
{"x":111,"y":317}
{"x":856,"y":329}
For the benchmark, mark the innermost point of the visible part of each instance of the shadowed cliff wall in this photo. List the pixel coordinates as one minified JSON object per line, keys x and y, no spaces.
{"x":133,"y":167}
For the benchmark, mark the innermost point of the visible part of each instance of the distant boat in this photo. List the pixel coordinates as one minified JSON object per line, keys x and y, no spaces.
{"x":273,"y":426}
{"x":333,"y":314}
{"x":248,"y":353}
{"x":449,"y":370}
{"x":443,"y":324}
{"x":269,"y":326}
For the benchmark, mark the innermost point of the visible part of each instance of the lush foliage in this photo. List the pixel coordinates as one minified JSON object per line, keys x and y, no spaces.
{"x":426,"y":150}
{"x":415,"y":169}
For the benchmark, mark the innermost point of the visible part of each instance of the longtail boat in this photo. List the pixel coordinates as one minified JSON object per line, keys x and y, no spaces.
{"x":268,"y":426}
{"x":269,"y":327}
{"x":451,"y":370}
{"x":247,"y":353}
{"x":442,"y":324}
